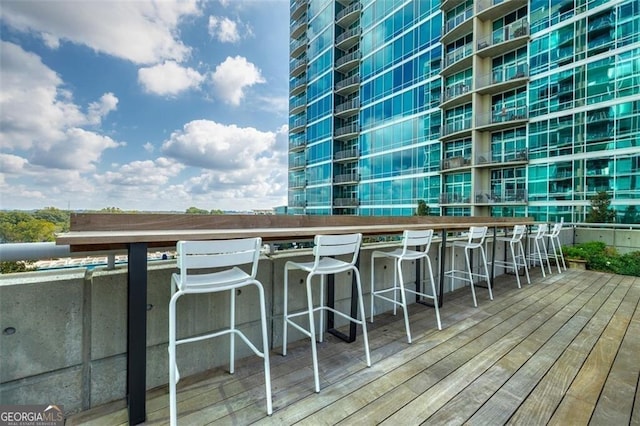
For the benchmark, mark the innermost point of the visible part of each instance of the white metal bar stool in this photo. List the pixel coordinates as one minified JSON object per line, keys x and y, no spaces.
{"x":196,"y":259}
{"x":518,"y":258}
{"x":475,"y":241}
{"x":556,"y":246}
{"x":399,"y":255}
{"x":326,"y":246}
{"x":539,"y":252}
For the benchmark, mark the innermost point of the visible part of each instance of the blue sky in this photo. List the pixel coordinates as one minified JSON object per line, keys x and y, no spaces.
{"x":143,"y":105}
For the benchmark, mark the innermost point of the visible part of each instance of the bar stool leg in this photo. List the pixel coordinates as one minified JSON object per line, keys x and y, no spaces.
{"x":403,"y":299}
{"x":524,"y":262}
{"x":232,"y":335}
{"x":515,"y":262}
{"x":486,"y":271}
{"x":435,"y":294}
{"x":265,"y":350}
{"x":363,"y":317}
{"x":473,"y":291}
{"x":285,"y":312}
{"x":312,"y":335}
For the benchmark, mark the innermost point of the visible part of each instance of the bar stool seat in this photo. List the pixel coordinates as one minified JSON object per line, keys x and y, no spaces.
{"x":556,"y":246}
{"x":196,"y":260}
{"x":538,"y":254}
{"x":475,"y":241}
{"x":325,"y":246}
{"x":517,"y":260}
{"x":399,"y":255}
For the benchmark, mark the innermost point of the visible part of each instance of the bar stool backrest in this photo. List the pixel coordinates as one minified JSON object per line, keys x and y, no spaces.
{"x":336,"y":245}
{"x":542,"y":229}
{"x":555,"y":231}
{"x":518,"y":232}
{"x":477,"y":235}
{"x":416,"y":238}
{"x":201,"y":255}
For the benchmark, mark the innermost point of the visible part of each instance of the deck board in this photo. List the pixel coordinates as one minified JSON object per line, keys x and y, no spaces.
{"x":560,"y":350}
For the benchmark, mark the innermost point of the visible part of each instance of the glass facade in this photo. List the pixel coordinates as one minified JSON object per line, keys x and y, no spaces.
{"x":495,"y":108}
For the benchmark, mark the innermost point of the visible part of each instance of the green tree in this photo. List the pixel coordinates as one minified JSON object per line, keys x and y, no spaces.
{"x":600,"y":211}
{"x":195,"y":210}
{"x":111,"y":210}
{"x":21,"y":227}
{"x":217,"y":211}
{"x":56,"y":216}
{"x":423,"y":208}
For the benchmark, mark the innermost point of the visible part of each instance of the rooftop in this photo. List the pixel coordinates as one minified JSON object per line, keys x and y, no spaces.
{"x":561,"y":350}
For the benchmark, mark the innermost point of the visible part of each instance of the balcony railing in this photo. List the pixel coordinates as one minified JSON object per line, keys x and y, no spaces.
{"x":506,"y":196}
{"x":347,"y":178}
{"x":456,"y":90}
{"x":346,"y":153}
{"x":457,"y":19}
{"x":298,"y":162}
{"x":503,"y":75}
{"x":349,"y":13}
{"x":346,"y":202}
{"x":455,"y":162}
{"x":454,"y":198}
{"x":515,"y":30}
{"x":346,"y":82}
{"x":457,"y":54}
{"x":348,"y":129}
{"x":505,"y":115}
{"x":350,"y":57}
{"x":456,"y":126}
{"x":502,"y":157}
{"x":349,"y":105}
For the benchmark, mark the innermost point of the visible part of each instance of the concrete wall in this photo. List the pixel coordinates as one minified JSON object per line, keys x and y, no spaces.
{"x":624,"y":240}
{"x":63,"y":335}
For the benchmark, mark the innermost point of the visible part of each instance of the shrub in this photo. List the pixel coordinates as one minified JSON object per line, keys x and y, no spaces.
{"x":599,"y":257}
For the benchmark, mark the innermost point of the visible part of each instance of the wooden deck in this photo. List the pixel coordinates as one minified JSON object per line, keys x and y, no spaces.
{"x":563,"y":350}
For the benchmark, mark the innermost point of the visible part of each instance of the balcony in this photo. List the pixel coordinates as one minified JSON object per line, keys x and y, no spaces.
{"x":298,"y":47}
{"x":346,"y":202}
{"x":456,"y":93}
{"x":348,"y":108}
{"x":501,"y":197}
{"x":347,"y":178}
{"x":348,"y":85}
{"x":297,"y":163}
{"x":298,"y":27}
{"x":297,"y":183}
{"x":297,"y":124}
{"x":505,"y":118}
{"x":457,"y":26}
{"x":509,"y":38}
{"x":298,"y":85}
{"x":347,"y":132}
{"x":298,"y":66}
{"x":456,"y":128}
{"x":450,"y":198}
{"x":297,"y":105}
{"x":457,"y":59}
{"x":490,"y":10}
{"x":297,"y":142}
{"x":455,"y":163}
{"x":347,"y":62}
{"x":346,"y":154}
{"x":502,"y":79}
{"x":349,"y":14}
{"x":520,"y":156}
{"x":348,"y":39}
{"x":297,"y":8}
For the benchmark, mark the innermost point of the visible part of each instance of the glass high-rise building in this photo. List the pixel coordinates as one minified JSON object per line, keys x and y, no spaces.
{"x":490,"y":107}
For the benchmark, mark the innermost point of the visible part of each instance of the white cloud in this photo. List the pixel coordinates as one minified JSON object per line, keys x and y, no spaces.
{"x":149,"y":147}
{"x":223,"y":29}
{"x":142,"y":173}
{"x":169,"y":78}
{"x":211,"y":145}
{"x":233,"y":76}
{"x":140,"y":31}
{"x":40,"y":117}
{"x":244,"y":166}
